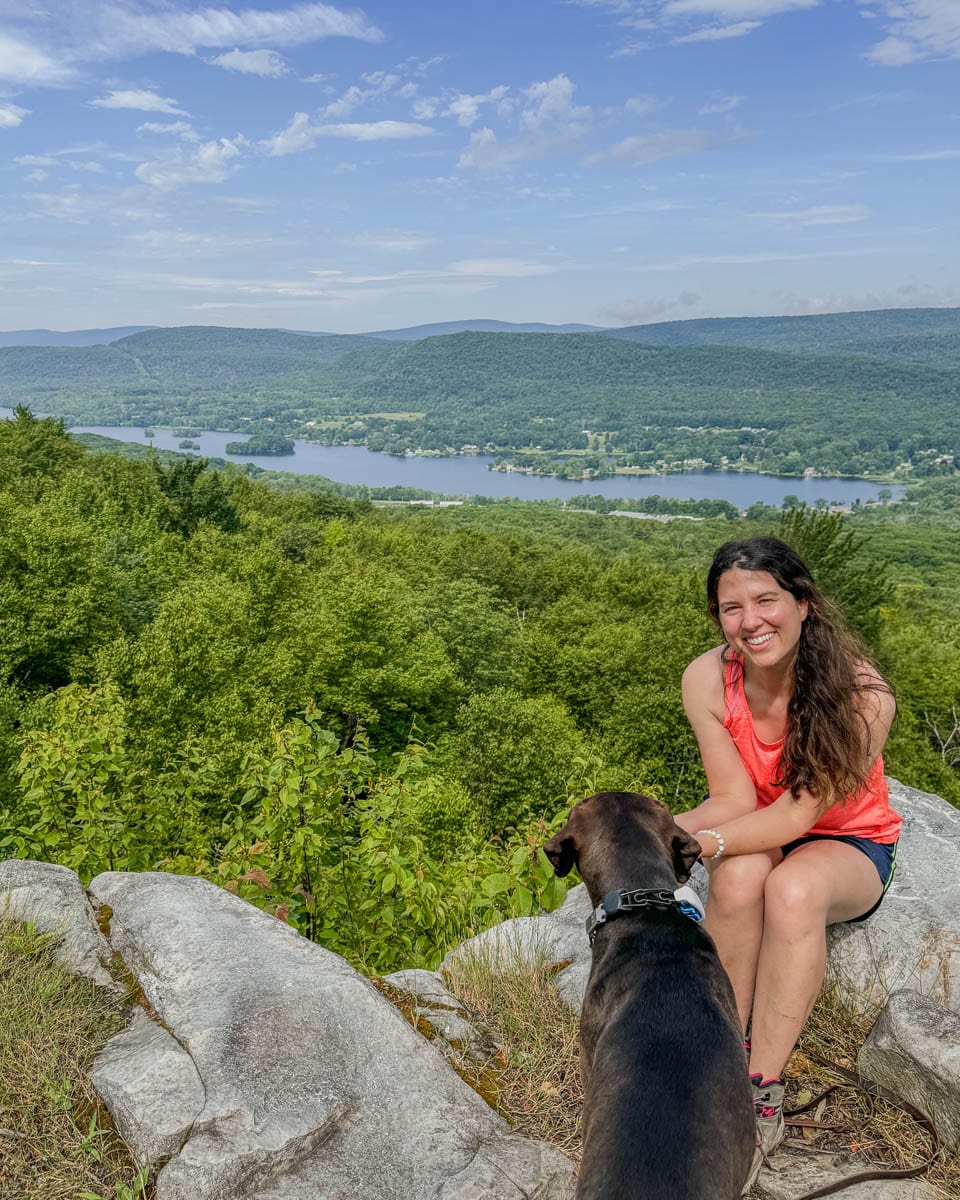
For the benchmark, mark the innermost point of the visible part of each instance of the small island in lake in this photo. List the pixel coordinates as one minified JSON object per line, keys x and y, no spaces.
{"x":266,"y":443}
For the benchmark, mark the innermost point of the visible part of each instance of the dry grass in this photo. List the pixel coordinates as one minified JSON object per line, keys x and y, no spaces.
{"x":56,"y":1140}
{"x":533,"y":1079}
{"x":879,"y":1133}
{"x":532,"y":1076}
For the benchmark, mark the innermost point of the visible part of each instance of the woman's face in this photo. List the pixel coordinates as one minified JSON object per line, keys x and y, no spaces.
{"x":759,"y":618}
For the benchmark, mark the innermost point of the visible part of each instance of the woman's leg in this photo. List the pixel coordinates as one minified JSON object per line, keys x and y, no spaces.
{"x":735,"y":919}
{"x":818,"y":884}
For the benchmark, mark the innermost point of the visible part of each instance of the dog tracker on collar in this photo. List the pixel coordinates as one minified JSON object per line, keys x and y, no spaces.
{"x":620,"y":902}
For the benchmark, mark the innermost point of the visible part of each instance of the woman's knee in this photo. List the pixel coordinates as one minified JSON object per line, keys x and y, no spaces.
{"x":795,"y":899}
{"x":737,"y":882}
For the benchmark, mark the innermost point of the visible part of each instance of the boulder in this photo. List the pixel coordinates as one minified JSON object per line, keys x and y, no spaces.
{"x":914,"y":1050}
{"x":437,"y":1005}
{"x":314,"y":1085}
{"x":151,"y":1088}
{"x":798,"y":1172}
{"x":556,"y":937}
{"x":913,"y":940}
{"x":53,"y":900}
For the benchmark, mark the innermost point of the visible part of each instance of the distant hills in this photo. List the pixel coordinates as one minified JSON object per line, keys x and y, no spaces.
{"x":415,"y":332}
{"x":69,"y":337}
{"x":850,"y":393}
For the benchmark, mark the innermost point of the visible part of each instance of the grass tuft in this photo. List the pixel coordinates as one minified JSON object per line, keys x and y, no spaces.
{"x":532,"y":1076}
{"x":56,"y":1138}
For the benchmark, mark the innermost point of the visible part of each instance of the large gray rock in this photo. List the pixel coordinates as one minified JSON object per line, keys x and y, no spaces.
{"x":151,"y":1088}
{"x":799,"y":1172}
{"x":313,"y":1084}
{"x":556,"y":937}
{"x":913,"y":941}
{"x":52,"y":899}
{"x":914,"y":1050}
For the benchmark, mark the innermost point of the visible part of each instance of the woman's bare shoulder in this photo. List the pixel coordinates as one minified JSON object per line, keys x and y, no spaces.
{"x":702,"y":682}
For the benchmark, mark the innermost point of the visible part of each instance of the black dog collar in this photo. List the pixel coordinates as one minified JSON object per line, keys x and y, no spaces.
{"x":615,"y":904}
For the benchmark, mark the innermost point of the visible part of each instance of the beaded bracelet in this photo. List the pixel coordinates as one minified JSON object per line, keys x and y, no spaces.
{"x":721,"y":845}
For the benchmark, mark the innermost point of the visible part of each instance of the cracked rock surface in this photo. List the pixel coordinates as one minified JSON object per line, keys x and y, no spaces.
{"x":314,"y":1085}
{"x":53,"y":900}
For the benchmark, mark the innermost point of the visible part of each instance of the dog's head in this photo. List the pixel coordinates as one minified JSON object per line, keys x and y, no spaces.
{"x":612,"y":828}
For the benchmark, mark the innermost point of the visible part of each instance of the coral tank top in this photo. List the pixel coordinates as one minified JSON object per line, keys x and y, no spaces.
{"x":864,"y":814}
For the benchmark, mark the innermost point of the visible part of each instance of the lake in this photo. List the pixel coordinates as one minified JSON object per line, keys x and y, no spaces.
{"x":469,"y":475}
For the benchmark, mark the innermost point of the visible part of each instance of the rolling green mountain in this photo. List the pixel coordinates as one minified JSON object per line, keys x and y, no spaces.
{"x":810,"y":407}
{"x":921,"y":335}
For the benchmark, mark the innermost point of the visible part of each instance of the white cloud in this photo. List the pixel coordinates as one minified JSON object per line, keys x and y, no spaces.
{"x":391,"y":241}
{"x":732,"y":10}
{"x":720,"y":33}
{"x":644,"y":106}
{"x":36,"y":176}
{"x":723,"y":104}
{"x":823,"y":214}
{"x":638,"y":312}
{"x":180,"y":129}
{"x":550,"y":123}
{"x":645,"y":148}
{"x":125,"y":29}
{"x":23,"y":63}
{"x":89,"y":166}
{"x":501,"y":268}
{"x":466,"y":108}
{"x":919,"y":30}
{"x":253,"y":62}
{"x":301,"y":134}
{"x":35,"y":160}
{"x":630,"y":49}
{"x":141,"y":100}
{"x":922,"y":156}
{"x":210,"y":163}
{"x":11,"y":115}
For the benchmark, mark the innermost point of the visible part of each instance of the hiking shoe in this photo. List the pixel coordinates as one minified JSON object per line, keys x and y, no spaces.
{"x":754,"y":1171}
{"x":768,"y":1105}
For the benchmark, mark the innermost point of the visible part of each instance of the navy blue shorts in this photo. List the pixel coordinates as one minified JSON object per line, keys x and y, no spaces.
{"x":883,"y":855}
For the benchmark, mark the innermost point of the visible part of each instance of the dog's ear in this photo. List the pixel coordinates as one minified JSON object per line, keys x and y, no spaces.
{"x":686,"y":851}
{"x":562,"y":851}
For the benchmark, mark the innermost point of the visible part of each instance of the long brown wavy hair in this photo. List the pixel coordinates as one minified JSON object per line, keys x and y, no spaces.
{"x":826,"y":747}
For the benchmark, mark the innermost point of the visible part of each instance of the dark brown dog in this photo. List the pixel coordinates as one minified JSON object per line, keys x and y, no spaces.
{"x":668,"y":1108}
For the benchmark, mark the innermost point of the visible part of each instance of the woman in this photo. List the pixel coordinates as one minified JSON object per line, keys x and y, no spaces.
{"x":797,"y":831}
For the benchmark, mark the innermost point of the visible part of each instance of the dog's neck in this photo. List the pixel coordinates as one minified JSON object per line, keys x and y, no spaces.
{"x":624,"y":868}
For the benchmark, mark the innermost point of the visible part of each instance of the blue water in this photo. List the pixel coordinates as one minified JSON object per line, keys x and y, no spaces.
{"x":470,"y":476}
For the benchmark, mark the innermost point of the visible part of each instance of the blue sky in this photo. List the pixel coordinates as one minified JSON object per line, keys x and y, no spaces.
{"x":605,"y":161}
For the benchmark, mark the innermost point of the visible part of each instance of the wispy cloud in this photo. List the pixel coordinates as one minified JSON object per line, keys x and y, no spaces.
{"x":948,"y":155}
{"x":722,"y":104}
{"x":719,"y":33}
{"x":918,"y":30}
{"x":267,"y":63}
{"x":180,"y":129}
{"x":303,"y":134}
{"x":502,"y":268}
{"x":645,"y":148}
{"x":823,"y":214}
{"x":130,"y":29}
{"x":211,"y":162}
{"x":141,"y":100}
{"x":391,"y":241}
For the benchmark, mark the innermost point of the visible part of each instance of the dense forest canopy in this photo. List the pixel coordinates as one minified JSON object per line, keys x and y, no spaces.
{"x":850,"y":393}
{"x":369,"y":718}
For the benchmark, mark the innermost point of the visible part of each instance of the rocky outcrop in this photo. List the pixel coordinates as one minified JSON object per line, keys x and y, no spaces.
{"x":313,"y":1084}
{"x":914,"y":1050}
{"x":268,"y":1069}
{"x":52,"y":899}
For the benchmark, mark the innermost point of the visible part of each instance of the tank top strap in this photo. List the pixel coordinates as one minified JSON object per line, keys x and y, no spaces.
{"x":734,"y":697}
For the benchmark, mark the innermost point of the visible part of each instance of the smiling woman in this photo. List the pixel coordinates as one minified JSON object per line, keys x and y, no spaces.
{"x":797,"y":831}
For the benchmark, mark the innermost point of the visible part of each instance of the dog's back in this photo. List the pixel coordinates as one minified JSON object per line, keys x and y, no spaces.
{"x":668,"y":1108}
{"x":668,"y":1111}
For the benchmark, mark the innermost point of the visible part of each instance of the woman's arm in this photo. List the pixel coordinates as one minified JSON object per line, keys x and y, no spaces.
{"x":732,"y":793}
